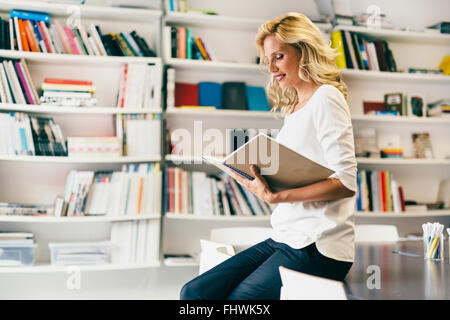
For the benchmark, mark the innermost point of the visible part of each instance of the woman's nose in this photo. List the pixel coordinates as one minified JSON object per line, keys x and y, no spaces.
{"x":272,"y":67}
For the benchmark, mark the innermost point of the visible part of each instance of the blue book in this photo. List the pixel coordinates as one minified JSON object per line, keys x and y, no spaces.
{"x":210,"y":94}
{"x":358,"y":195}
{"x":30,"y":15}
{"x":257,"y":99}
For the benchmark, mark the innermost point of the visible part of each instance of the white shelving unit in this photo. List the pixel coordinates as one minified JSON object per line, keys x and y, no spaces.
{"x":39,"y":179}
{"x":363,"y":85}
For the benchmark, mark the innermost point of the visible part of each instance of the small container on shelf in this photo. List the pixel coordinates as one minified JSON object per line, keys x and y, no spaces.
{"x":17,"y":254}
{"x":80,"y":253}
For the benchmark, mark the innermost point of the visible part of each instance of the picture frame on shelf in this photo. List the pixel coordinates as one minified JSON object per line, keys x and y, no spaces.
{"x":417,"y":105}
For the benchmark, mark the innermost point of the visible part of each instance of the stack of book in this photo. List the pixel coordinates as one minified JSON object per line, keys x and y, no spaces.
{"x":232,"y":95}
{"x":196,"y":193}
{"x":94,"y":146}
{"x":68,"y":92}
{"x":135,"y":241}
{"x":32,"y":31}
{"x":183,"y":45}
{"x":379,"y":192}
{"x":23,"y":134}
{"x":357,"y":52}
{"x":138,"y":87}
{"x":20,"y":209}
{"x":133,"y":191}
{"x":16,"y":85}
{"x":140,"y":134}
{"x":440,"y":108}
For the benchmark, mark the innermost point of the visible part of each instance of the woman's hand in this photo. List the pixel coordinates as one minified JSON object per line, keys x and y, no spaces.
{"x":258,"y":185}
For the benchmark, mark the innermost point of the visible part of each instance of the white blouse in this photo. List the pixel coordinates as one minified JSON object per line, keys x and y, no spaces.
{"x":321,"y":131}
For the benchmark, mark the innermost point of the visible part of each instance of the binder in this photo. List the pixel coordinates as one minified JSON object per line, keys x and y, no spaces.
{"x":282,"y":167}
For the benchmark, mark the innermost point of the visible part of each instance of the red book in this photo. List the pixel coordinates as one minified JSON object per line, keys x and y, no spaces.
{"x":383,"y":192}
{"x":71,"y":40}
{"x":68,"y":81}
{"x":186,"y":94}
{"x":44,"y":36}
{"x":402,"y":198}
{"x":373,"y":106}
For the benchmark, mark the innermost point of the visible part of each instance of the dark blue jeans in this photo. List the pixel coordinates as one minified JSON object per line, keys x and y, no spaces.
{"x":253,"y":273}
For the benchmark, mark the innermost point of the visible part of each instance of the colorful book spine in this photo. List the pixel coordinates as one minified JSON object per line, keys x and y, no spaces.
{"x":338,"y":44}
{"x":73,"y":46}
{"x":24,"y":83}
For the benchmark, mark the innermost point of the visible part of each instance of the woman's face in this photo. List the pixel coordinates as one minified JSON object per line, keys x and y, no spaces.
{"x":283,"y":61}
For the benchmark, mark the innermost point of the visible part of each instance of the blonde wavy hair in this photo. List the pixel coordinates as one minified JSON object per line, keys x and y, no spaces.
{"x":317,"y":58}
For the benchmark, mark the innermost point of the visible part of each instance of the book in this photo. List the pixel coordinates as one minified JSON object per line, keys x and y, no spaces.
{"x":257,"y":99}
{"x":338,"y":44}
{"x":286,"y":168}
{"x":234,"y":95}
{"x":210,"y":94}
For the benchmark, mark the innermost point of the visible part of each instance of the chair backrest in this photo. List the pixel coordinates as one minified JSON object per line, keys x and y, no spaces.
{"x":302,"y":286}
{"x":240,"y":237}
{"x":376,"y":233}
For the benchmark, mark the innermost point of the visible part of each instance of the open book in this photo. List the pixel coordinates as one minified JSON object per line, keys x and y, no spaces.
{"x":282,"y":167}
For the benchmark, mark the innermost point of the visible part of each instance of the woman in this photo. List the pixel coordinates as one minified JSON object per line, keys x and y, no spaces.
{"x":313,"y":226}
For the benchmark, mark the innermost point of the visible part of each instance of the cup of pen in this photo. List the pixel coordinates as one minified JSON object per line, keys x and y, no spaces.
{"x":433,"y":241}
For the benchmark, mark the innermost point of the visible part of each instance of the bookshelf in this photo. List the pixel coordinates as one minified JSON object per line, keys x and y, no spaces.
{"x":39,"y":179}
{"x":363,"y":85}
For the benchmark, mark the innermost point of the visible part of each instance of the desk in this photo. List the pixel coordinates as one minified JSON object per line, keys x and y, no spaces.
{"x":401,"y":276}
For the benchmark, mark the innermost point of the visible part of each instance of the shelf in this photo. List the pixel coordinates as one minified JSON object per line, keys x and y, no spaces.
{"x":394,"y":76}
{"x":202,"y":65}
{"x":185,"y":216}
{"x":74,"y":58}
{"x":223,"y":113}
{"x":401,"y":119}
{"x":402,"y":161}
{"x":49,"y":159}
{"x":369,"y":161}
{"x":90,"y":219}
{"x":169,"y":263}
{"x":48,"y":268}
{"x":411,"y":214}
{"x":86,"y":11}
{"x":217,"y":21}
{"x":399,"y":35}
{"x":71,"y":110}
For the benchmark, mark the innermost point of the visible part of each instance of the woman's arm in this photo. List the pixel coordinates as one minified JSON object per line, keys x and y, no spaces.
{"x":326,"y":190}
{"x":329,"y":189}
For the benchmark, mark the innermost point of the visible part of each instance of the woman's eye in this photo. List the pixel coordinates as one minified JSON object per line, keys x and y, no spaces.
{"x":279,"y":57}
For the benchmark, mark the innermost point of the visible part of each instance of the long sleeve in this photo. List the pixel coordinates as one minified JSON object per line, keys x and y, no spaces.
{"x":335,"y":135}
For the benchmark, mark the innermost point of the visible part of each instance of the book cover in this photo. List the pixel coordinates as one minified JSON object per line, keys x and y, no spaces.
{"x":379,"y":47}
{"x":186,"y":94}
{"x":128,"y":45}
{"x":181,"y":38}
{"x":383,"y":192}
{"x":210,"y":94}
{"x":24,"y":83}
{"x":338,"y":44}
{"x":63,"y":37}
{"x":73,"y":46}
{"x":257,"y":99}
{"x":30,"y":39}
{"x":45,"y":37}
{"x":234,"y":95}
{"x":347,"y":51}
{"x":20,"y":35}
{"x":284,"y":169}
{"x":30,"y":15}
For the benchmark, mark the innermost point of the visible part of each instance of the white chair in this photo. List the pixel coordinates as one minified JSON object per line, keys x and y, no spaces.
{"x":223,"y":243}
{"x":376,"y":233}
{"x":302,"y":286}
{"x":213,"y":253}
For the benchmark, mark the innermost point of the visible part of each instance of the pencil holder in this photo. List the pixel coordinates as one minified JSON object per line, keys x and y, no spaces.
{"x":433,"y":248}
